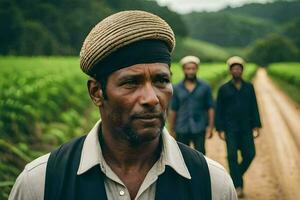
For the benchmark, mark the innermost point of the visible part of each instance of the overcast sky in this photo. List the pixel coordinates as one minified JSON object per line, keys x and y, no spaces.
{"x":184,"y":6}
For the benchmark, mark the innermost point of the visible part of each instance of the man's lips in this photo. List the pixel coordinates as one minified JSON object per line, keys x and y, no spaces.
{"x":147,"y":117}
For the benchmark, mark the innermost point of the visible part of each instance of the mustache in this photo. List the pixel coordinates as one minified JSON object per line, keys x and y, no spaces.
{"x":147,"y":115}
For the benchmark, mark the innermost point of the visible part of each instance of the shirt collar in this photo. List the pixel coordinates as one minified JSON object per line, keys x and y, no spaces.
{"x":91,"y":153}
{"x":198,"y":84}
{"x":232,"y":81}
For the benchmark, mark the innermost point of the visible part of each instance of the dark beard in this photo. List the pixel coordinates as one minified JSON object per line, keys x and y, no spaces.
{"x":191,"y":78}
{"x":131,"y":135}
{"x":237,"y":78}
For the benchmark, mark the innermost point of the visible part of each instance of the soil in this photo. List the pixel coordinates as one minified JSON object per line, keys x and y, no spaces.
{"x":275,"y":171}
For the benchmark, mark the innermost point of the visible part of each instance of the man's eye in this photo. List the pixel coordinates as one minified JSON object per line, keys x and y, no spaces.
{"x":129,"y":83}
{"x":162,"y":81}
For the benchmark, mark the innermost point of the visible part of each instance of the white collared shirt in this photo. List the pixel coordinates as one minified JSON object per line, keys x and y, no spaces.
{"x":30,"y":183}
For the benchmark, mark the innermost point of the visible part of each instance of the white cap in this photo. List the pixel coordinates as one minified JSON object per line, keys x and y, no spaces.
{"x":235,"y":60}
{"x":190,"y":59}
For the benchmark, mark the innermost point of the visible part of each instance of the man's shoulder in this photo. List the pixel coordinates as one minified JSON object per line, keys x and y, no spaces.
{"x":221,"y":182}
{"x":203,"y":82}
{"x":226,"y":84}
{"x":39,"y":162}
{"x":215,"y":167}
{"x":247,"y":83}
{"x":178,"y":85}
{"x":35,"y":171}
{"x":30,"y":183}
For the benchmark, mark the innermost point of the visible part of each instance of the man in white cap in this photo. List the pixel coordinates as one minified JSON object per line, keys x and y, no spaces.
{"x":128,"y":154}
{"x":237,"y":118}
{"x":191,"y":116}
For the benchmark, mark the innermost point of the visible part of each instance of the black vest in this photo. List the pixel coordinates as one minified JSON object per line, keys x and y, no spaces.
{"x":63,"y":183}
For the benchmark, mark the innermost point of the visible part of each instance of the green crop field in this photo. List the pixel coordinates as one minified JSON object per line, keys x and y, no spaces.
{"x":44,"y":102}
{"x":287,"y":76}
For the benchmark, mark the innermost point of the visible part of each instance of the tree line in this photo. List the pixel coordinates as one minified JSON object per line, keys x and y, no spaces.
{"x":265,"y":32}
{"x":58,"y":27}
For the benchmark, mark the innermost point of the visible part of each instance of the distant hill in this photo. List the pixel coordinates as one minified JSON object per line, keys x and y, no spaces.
{"x":58,"y":27}
{"x":278,"y":12}
{"x":206,"y":51}
{"x":239,"y":27}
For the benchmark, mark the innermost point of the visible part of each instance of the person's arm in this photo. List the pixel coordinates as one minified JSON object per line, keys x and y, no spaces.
{"x":21,"y":188}
{"x":210,"y":128}
{"x":229,"y":192}
{"x":30,"y":183}
{"x":256,"y":123}
{"x":210,"y":113}
{"x":172,"y":120}
{"x":219,"y":121}
{"x":255,"y":115}
{"x":221,"y":183}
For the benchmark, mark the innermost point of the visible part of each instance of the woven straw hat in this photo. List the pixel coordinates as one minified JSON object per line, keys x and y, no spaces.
{"x":190,"y":59}
{"x":119,"y":30}
{"x":235,"y":60}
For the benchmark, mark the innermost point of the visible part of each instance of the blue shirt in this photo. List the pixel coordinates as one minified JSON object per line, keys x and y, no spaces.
{"x":191,"y":107}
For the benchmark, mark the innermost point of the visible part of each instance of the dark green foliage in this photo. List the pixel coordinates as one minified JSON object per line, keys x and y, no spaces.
{"x":241,"y":26}
{"x":10,"y":25}
{"x":292,"y":31}
{"x":278,"y":11}
{"x":273,"y":48}
{"x":171,"y":17}
{"x":43,"y":27}
{"x":205,"y":51}
{"x":35,"y":39}
{"x":226,"y":29}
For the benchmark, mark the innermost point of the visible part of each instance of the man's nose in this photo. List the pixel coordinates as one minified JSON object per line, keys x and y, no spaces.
{"x":148,"y":95}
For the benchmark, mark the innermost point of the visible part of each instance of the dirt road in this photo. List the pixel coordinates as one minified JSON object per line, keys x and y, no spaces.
{"x":275,"y":171}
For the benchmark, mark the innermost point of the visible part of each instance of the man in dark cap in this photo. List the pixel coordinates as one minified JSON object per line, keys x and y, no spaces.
{"x":237,"y":118}
{"x":191,"y":116}
{"x":128,"y":154}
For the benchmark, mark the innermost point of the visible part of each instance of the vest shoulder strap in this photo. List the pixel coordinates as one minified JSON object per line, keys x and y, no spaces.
{"x":62,"y":181}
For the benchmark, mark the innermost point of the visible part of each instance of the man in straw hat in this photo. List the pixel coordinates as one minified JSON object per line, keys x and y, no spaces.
{"x":191,"y":115}
{"x":128,"y":154}
{"x":237,"y":118}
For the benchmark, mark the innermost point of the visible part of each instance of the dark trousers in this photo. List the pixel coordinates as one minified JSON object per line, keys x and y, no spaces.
{"x":198,"y":140}
{"x":243,"y":141}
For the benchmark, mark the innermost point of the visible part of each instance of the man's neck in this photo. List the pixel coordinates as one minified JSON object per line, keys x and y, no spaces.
{"x":130,"y":163}
{"x":120,"y":153}
{"x":190,"y":84}
{"x":191,"y":81}
{"x":237,"y":83}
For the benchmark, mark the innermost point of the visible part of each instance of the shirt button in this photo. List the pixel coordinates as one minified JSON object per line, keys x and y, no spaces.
{"x":122,"y":192}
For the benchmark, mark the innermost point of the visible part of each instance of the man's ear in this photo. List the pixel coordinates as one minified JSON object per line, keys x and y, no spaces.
{"x":95,"y":91}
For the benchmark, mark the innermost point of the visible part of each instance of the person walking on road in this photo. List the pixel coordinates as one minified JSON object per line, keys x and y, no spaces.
{"x":128,"y":154}
{"x":191,"y":117}
{"x":238,"y":121}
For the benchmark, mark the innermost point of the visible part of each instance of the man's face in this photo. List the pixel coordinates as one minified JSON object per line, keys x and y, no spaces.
{"x":190,"y":71}
{"x":137,"y":102}
{"x":236,"y":71}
